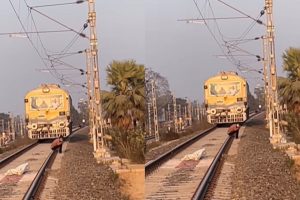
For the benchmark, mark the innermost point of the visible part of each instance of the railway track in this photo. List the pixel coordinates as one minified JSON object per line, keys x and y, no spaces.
{"x":168,"y":177}
{"x":39,"y":156}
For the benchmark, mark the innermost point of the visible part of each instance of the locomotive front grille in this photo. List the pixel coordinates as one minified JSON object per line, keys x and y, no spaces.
{"x":48,"y":134}
{"x":227,"y":118}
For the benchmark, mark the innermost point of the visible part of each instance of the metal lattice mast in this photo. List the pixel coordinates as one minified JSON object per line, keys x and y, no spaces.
{"x":98,"y":139}
{"x":21,"y":127}
{"x":175,"y":115}
{"x":169,"y":113}
{"x":179,"y":111}
{"x":198,"y":111}
{"x":89,"y":89}
{"x":12,"y":124}
{"x":274,"y":111}
{"x":266,"y":80}
{"x":149,"y":118}
{"x":190,"y":115}
{"x":154,"y":111}
{"x":3,"y":125}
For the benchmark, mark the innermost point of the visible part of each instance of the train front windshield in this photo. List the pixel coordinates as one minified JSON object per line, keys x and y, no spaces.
{"x":225,"y":89}
{"x":52,"y":102}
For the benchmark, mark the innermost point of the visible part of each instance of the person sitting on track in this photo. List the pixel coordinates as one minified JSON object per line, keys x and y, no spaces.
{"x":234,"y":129}
{"x":57,"y":144}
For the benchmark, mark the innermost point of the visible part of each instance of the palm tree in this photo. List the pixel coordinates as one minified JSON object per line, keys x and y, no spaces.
{"x":125,"y":103}
{"x":289,"y":88}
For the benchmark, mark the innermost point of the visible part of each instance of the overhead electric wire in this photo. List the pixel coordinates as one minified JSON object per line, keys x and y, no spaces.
{"x":232,"y":45}
{"x":42,"y":44}
{"x":58,"y":4}
{"x":210,"y":31}
{"x":71,"y":43}
{"x":55,"y":60}
{"x":20,"y":21}
{"x":241,"y":12}
{"x":34,"y":32}
{"x":65,"y":26}
{"x":57,"y":76}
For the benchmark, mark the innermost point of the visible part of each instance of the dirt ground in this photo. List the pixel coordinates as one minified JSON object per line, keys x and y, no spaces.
{"x":296,"y":169}
{"x":134,"y":181}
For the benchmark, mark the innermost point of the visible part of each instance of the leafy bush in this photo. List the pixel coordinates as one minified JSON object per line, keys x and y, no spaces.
{"x":129,"y":144}
{"x":167,"y":136}
{"x":293,"y":120}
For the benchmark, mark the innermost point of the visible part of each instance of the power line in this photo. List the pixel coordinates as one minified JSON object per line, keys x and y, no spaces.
{"x":20,"y":21}
{"x":241,"y":12}
{"x":58,"y":4}
{"x":33,"y":32}
{"x":54,"y":20}
{"x":210,"y":31}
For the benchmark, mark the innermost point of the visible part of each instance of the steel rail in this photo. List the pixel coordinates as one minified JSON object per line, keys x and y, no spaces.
{"x":10,"y":158}
{"x":210,"y":173}
{"x":32,"y":190}
{"x":204,"y":184}
{"x":153,"y":164}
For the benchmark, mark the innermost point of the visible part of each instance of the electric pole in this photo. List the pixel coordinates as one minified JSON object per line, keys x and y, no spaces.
{"x":266,"y":80}
{"x":89,"y":91}
{"x":175,"y":115}
{"x":21,"y":127}
{"x":98,"y":135}
{"x":197,"y":110}
{"x":274,"y":108}
{"x":169,"y":113}
{"x":190,"y":116}
{"x":149,"y":118}
{"x":12,"y":124}
{"x":3,"y":126}
{"x":154,"y":111}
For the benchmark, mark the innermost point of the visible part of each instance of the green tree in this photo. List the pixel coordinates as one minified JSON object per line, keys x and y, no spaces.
{"x":125,"y":103}
{"x":289,"y":88}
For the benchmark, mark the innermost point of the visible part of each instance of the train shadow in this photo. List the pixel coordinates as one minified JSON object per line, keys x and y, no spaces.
{"x":78,"y":138}
{"x":255,"y":122}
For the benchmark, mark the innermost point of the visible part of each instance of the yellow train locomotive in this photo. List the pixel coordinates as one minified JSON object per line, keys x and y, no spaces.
{"x":226,"y":99}
{"x":47,"y":112}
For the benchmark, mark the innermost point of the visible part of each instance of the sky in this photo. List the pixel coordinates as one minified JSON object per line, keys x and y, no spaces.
{"x":147,"y":31}
{"x":120,"y":32}
{"x":185,"y":52}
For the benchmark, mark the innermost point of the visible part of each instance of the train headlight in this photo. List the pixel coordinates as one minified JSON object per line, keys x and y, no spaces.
{"x":61,"y":124}
{"x":213,"y":111}
{"x":239,"y":110}
{"x":239,"y":99}
{"x":34,"y":126}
